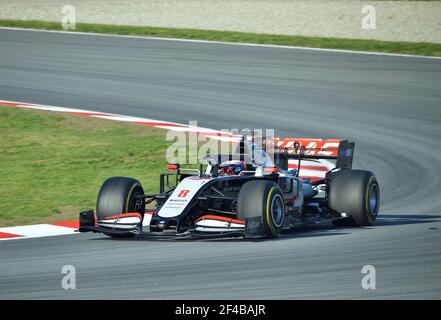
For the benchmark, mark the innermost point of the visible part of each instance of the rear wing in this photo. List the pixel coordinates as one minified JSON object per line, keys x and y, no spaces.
{"x":332,"y":149}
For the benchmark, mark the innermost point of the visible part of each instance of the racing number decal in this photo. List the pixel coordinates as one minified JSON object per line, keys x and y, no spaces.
{"x":181,"y":197}
{"x":183,"y":193}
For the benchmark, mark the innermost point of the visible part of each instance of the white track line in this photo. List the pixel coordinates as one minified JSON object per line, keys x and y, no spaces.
{"x":173,"y":126}
{"x":35,"y":231}
{"x":226,"y":43}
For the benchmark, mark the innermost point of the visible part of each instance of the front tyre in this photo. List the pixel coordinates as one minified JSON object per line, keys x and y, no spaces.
{"x":120,"y":195}
{"x":261,"y":204}
{"x":356,"y":193}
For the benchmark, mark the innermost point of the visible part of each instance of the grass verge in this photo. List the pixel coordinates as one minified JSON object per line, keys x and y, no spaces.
{"x":52,"y":165}
{"x":421,"y":48}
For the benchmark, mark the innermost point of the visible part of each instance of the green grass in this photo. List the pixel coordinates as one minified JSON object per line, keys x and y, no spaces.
{"x":427,"y":49}
{"x":52,"y":165}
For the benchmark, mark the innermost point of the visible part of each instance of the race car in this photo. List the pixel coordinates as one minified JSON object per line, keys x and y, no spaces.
{"x":246,"y":193}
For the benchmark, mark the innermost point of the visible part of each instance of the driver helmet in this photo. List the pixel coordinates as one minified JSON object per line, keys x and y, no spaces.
{"x":232,"y":167}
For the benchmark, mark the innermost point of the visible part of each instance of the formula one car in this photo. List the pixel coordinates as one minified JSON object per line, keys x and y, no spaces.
{"x":246,"y":193}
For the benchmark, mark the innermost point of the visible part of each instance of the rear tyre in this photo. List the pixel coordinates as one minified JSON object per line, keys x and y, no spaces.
{"x":118,"y":195}
{"x":262,"y":206}
{"x":356,"y":193}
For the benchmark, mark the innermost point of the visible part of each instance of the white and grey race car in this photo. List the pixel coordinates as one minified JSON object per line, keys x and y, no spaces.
{"x":246,"y":193}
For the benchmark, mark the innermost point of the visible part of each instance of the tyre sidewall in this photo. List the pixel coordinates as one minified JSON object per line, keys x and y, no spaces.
{"x":256,"y":199}
{"x":349,"y":193}
{"x":116,"y":197}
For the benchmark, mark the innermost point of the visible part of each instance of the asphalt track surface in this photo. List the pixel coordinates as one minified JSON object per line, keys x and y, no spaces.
{"x":389,"y":105}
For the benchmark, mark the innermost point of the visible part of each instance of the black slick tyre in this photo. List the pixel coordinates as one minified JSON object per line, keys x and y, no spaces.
{"x":119,"y":195}
{"x":261,"y":204}
{"x":355,"y":193}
